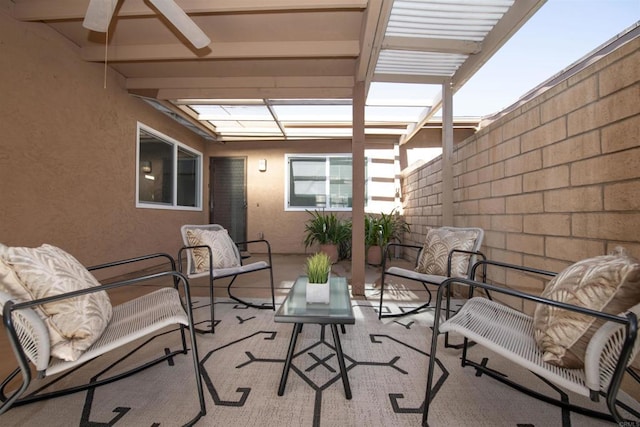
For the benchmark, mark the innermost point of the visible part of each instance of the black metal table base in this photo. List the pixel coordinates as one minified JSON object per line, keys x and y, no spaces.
{"x":292,"y":348}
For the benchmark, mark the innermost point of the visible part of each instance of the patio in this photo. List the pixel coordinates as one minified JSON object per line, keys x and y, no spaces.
{"x":551,"y":179}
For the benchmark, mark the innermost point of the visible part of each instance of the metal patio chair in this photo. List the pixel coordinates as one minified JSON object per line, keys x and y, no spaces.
{"x":203,"y":259}
{"x":510,"y":333}
{"x":31,"y":339}
{"x":446,"y":260}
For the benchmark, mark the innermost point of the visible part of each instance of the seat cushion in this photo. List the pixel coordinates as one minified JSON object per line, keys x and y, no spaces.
{"x":607,"y":283}
{"x":437,"y":245}
{"x":33,"y":273}
{"x":222,"y":247}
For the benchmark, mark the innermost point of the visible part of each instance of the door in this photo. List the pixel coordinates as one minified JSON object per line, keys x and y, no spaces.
{"x":228,"y":198}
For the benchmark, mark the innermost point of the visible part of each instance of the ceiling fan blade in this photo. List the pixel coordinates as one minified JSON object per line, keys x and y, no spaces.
{"x":99,"y":14}
{"x":182,"y":22}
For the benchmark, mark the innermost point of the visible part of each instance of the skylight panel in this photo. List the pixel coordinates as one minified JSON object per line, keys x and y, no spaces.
{"x":313,"y":113}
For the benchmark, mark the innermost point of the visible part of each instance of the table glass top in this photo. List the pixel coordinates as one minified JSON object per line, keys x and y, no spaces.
{"x":295,"y":308}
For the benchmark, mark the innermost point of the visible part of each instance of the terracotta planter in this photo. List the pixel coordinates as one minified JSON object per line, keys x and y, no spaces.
{"x":374,"y":255}
{"x":331,"y":250}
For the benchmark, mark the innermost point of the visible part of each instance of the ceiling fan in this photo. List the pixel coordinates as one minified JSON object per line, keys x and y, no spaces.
{"x":100,"y":12}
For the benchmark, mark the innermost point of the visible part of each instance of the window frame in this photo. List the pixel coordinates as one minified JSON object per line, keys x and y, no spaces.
{"x":175,"y":146}
{"x":287,"y":180}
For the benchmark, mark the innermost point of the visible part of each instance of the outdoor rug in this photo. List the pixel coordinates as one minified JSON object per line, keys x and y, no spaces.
{"x":242,"y":364}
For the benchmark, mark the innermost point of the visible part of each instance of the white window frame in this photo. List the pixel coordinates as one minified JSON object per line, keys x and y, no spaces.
{"x":175,"y":146}
{"x":287,"y":175}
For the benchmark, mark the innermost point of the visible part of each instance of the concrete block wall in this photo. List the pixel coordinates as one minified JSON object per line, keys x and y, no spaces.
{"x":552,"y":182}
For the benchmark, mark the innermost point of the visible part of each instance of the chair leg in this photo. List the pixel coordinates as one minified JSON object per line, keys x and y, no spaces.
{"x":212,"y":306}
{"x":273,"y":295}
{"x":211,"y":330}
{"x":248,"y":304}
{"x":412,"y":311}
{"x":381,"y":294}
{"x":198,"y":376}
{"x":196,"y":359}
{"x":8,"y":401}
{"x":432,"y":362}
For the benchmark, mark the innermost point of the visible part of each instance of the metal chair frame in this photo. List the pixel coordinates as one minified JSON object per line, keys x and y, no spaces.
{"x":613,"y":345}
{"x":233,"y":272}
{"x":19,"y":319}
{"x":426,"y":279}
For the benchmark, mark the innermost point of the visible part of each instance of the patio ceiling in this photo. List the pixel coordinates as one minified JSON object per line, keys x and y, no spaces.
{"x":286,"y":69}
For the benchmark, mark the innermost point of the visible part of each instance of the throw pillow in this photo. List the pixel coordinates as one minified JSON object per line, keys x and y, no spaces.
{"x":435,"y":253}
{"x":223,"y":249}
{"x":607,"y":283}
{"x":33,"y":273}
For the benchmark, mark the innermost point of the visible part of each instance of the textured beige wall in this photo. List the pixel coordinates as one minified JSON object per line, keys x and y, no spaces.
{"x":265,"y":190}
{"x":555,"y":180}
{"x":67,"y":153}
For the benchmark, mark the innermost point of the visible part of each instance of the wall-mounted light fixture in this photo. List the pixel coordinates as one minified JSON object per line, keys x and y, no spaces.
{"x":262,"y":165}
{"x":145,"y":166}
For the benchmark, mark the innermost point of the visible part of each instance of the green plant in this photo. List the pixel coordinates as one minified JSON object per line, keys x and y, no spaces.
{"x":320,"y":228}
{"x":325,"y":229}
{"x":371,"y":231}
{"x":343,"y":237}
{"x":384,"y":228}
{"x":318,"y":267}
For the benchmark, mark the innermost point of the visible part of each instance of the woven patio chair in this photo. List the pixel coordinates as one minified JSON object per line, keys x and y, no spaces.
{"x":210,"y":252}
{"x":447,"y":252}
{"x":57,"y":317}
{"x":607,"y":347}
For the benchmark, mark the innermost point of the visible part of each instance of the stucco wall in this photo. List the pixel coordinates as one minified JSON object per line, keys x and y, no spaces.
{"x":68,"y":152}
{"x":552,"y":182}
{"x":266,"y":193}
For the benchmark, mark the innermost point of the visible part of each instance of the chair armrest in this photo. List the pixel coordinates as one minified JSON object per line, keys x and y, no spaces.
{"x":388,"y":247}
{"x":484,"y":263}
{"x":526,"y":296}
{"x":263,"y":242}
{"x":260,"y":241}
{"x":134,"y":260}
{"x":105,"y":287}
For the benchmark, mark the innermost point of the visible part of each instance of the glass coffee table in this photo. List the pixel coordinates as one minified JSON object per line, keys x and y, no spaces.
{"x":296,"y":310}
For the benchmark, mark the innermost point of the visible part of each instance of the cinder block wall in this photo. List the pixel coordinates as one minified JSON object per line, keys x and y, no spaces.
{"x":552,"y":182}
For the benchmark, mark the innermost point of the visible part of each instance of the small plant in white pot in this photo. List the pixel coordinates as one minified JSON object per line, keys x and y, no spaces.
{"x":318,"y":268}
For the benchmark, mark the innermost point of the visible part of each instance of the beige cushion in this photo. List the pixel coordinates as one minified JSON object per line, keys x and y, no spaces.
{"x":608,"y":283}
{"x":222,"y":249}
{"x":437,"y":245}
{"x":33,"y":273}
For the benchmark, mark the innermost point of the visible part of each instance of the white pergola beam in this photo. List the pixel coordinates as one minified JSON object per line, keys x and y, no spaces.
{"x":228,"y":50}
{"x":314,"y":82}
{"x":47,"y":10}
{"x":464,"y":47}
{"x":253,"y":93}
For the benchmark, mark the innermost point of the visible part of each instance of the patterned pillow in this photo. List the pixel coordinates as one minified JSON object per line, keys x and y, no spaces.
{"x":33,"y":273}
{"x":222,"y":249}
{"x":607,"y":283}
{"x":435,"y":253}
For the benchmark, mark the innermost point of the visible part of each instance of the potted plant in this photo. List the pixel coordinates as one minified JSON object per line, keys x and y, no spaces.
{"x":372,"y":238}
{"x":318,"y":267}
{"x":330,"y":232}
{"x":380,"y":230}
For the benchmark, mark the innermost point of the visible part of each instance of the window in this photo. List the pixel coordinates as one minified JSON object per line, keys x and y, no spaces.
{"x":319,"y":181}
{"x":169,"y":173}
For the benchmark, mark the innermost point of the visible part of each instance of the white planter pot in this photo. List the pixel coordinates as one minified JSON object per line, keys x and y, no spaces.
{"x":319,"y":292}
